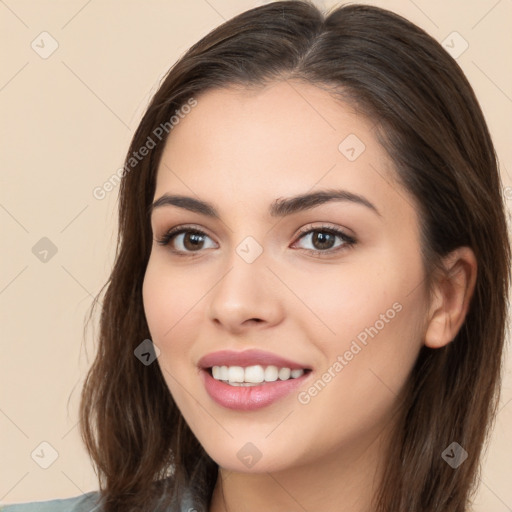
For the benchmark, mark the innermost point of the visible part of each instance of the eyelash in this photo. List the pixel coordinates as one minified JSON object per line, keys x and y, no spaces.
{"x":348,"y":241}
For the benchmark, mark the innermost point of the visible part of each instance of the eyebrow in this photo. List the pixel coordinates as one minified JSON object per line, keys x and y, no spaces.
{"x":279,"y":208}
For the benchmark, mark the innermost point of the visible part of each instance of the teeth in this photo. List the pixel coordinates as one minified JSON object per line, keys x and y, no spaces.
{"x":252,"y":375}
{"x":236,"y":374}
{"x":271,"y":373}
{"x":284,"y":373}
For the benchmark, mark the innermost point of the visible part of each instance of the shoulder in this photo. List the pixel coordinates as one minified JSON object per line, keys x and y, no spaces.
{"x":88,"y":502}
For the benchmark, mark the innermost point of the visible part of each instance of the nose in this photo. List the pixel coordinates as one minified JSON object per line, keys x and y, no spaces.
{"x":246,"y":297}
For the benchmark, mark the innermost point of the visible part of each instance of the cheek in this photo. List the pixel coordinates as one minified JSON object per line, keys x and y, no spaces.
{"x":170,"y":298}
{"x":344,"y":301}
{"x":172,"y":301}
{"x":377,"y":338}
{"x":371,"y":315}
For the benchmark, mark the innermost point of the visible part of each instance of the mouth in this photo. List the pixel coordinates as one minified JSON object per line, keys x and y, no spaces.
{"x":252,"y":379}
{"x":239,"y":395}
{"x":255,"y":375}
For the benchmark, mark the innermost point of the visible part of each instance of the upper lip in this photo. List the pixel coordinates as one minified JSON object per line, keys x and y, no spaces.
{"x":247,"y":358}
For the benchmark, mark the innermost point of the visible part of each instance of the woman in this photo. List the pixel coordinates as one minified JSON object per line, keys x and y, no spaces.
{"x":308,"y":302}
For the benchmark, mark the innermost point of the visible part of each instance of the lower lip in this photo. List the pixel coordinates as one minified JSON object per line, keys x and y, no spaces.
{"x":249,"y":398}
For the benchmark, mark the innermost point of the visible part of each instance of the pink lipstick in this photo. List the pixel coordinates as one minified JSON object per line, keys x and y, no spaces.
{"x":251,"y":379}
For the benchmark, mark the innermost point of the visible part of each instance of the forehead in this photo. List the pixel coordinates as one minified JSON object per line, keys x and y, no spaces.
{"x":282,"y":139}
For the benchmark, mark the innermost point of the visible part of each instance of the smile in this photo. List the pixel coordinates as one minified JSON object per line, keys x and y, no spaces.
{"x":253,"y":375}
{"x":250,"y":396}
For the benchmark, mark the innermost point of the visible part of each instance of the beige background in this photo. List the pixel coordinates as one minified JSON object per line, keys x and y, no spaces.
{"x":66,"y":123}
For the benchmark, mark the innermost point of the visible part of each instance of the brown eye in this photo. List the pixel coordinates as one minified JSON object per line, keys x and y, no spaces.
{"x":326,"y":240}
{"x":184,"y":240}
{"x":323,"y":240}
{"x":192,"y":241}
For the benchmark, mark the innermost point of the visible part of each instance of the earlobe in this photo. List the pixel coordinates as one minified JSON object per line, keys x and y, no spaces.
{"x":452,"y":295}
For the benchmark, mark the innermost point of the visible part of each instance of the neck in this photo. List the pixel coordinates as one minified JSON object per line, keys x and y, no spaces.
{"x":345,"y":480}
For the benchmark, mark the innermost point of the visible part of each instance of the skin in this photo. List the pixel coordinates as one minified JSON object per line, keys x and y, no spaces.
{"x":241,"y":150}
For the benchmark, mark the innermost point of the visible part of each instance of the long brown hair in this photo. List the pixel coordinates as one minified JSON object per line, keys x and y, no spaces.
{"x":430,"y":123}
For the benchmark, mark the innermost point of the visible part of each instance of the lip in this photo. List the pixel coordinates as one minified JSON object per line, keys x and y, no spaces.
{"x":248,"y":358}
{"x":249,"y":398}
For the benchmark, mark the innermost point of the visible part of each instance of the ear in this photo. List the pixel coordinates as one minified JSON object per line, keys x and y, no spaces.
{"x":452,"y":294}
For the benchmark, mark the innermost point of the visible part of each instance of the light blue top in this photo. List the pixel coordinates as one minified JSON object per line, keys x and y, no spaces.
{"x":87,"y":502}
{"x":83,"y":503}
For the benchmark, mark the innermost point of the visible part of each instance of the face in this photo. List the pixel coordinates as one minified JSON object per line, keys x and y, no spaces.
{"x":330,"y":282}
